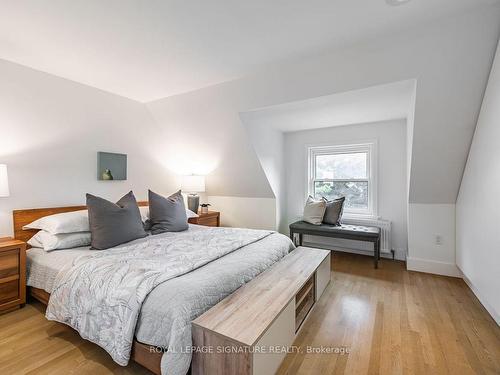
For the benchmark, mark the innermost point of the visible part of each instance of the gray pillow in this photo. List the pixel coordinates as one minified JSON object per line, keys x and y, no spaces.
{"x":333,"y":212}
{"x":167,"y":214}
{"x":113,"y":224}
{"x":314,"y":210}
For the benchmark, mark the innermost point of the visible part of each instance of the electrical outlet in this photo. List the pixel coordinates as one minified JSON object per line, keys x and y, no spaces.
{"x":438,"y":239}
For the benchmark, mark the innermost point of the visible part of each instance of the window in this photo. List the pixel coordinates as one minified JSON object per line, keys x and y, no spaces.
{"x":344,"y":171}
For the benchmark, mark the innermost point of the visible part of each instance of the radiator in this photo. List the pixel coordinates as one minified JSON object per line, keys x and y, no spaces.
{"x":385,"y":230}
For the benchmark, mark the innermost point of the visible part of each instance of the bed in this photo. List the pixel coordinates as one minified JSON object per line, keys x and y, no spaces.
{"x":167,"y":311}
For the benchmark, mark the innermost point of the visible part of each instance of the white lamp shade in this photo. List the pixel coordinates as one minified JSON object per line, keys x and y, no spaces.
{"x":193,"y":184}
{"x":4,"y":181}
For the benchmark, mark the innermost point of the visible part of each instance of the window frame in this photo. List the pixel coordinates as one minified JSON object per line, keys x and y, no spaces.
{"x":371,"y":164}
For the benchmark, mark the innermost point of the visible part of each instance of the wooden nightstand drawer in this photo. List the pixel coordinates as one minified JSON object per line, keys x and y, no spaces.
{"x":209,"y":222}
{"x":9,"y":263}
{"x":209,"y":219}
{"x":9,"y":290}
{"x":12,"y":274}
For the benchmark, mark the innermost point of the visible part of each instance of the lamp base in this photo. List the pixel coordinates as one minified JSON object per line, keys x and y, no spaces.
{"x":193,"y":202}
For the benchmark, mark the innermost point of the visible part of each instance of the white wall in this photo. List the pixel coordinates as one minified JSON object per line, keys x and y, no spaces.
{"x":431,"y":240}
{"x":390,"y":137}
{"x":268,"y":144}
{"x":51,"y":130}
{"x":439,"y":55}
{"x":478,"y":204}
{"x":256,"y":213}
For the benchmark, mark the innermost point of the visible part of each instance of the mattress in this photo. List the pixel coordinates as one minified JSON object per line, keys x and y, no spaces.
{"x":167,"y":312}
{"x":42,"y":267}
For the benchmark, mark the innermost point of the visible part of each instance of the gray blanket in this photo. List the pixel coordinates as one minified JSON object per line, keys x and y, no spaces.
{"x":101,"y":294}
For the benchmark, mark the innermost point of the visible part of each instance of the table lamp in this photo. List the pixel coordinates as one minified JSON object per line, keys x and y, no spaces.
{"x":193,"y":184}
{"x":4,"y":181}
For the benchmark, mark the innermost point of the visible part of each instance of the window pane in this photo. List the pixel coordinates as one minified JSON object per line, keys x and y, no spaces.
{"x":355,"y":193}
{"x":340,"y":166}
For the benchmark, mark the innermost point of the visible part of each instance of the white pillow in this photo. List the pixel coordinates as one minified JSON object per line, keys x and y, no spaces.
{"x":314,"y":210}
{"x":145,"y":213}
{"x":77,"y":221}
{"x":191,"y":214}
{"x":49,"y":242}
{"x":144,"y":210}
{"x":68,"y":222}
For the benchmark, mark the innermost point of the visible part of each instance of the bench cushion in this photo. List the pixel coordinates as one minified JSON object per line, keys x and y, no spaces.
{"x":343,"y":230}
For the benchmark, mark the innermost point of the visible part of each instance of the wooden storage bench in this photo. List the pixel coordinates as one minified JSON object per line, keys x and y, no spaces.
{"x":238,"y":334}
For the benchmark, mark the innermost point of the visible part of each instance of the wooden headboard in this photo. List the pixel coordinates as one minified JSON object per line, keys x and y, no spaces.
{"x":24,"y":217}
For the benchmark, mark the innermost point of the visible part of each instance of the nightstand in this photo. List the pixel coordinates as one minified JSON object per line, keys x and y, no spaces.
{"x":210,"y":219}
{"x":12,"y":274}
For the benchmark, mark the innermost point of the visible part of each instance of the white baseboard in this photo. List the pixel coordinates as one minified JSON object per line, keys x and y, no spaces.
{"x":432,"y":266}
{"x":400,"y":254}
{"x":480,"y":297}
{"x":421,"y":265}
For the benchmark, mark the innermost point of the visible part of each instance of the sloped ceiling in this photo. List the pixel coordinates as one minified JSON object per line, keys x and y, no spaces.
{"x":148,"y":50}
{"x":134,"y":50}
{"x":450,"y":60}
{"x":378,"y":103}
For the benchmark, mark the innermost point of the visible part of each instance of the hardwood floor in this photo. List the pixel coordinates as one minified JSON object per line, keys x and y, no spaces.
{"x":390,"y":320}
{"x":30,"y":344}
{"x":394,"y":321}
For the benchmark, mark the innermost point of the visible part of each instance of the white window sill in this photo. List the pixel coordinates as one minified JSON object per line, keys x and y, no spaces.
{"x":353,"y":216}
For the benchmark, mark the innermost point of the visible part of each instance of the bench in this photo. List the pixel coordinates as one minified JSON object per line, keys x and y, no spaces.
{"x":247,"y":333}
{"x":349,"y":232}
